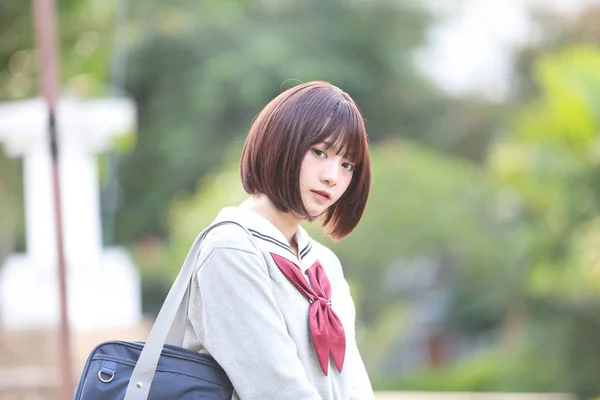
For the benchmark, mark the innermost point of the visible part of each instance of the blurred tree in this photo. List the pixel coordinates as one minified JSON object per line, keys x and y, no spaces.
{"x":12,"y":223}
{"x":552,"y":160}
{"x":85,"y":34}
{"x":556,"y":31}
{"x":201,"y":71}
{"x":542,"y":295}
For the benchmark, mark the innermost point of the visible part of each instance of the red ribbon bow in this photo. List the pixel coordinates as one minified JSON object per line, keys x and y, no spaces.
{"x":326,"y":328}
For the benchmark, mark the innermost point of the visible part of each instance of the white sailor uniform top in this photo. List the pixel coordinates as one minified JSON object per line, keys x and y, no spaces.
{"x":250,"y":316}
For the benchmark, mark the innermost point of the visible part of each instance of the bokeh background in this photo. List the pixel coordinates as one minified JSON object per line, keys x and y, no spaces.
{"x":477,"y":264}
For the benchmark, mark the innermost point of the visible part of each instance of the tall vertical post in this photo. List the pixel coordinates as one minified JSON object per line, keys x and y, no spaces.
{"x":45,"y":30}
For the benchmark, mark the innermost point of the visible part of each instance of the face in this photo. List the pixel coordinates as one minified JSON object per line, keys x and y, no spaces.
{"x":324,"y":177}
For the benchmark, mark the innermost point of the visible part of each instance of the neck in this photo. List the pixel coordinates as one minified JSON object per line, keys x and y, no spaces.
{"x":287,"y":223}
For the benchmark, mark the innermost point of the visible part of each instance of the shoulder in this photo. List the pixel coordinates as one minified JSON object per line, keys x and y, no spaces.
{"x":327,"y":257}
{"x":228,"y":250}
{"x":230,"y":236}
{"x":323,"y":251}
{"x":333,"y":267}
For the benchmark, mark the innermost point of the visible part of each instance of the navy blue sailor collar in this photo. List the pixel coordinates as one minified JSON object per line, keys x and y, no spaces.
{"x":269,"y":238}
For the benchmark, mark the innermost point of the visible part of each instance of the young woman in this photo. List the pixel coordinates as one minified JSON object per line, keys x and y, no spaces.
{"x":273,"y":307}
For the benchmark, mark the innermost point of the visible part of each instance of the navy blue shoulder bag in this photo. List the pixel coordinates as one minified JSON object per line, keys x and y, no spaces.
{"x":160,"y":368}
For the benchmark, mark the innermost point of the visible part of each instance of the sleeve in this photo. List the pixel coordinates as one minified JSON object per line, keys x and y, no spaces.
{"x":360,"y":384}
{"x":239,"y":323}
{"x":360,"y":388}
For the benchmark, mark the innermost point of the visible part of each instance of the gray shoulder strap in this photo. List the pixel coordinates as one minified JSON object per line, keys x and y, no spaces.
{"x":169,"y":326}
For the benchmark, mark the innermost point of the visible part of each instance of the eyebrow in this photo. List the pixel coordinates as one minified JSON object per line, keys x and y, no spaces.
{"x":330,"y":145}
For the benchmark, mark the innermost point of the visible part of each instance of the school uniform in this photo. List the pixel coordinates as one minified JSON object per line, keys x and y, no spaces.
{"x":282,"y":327}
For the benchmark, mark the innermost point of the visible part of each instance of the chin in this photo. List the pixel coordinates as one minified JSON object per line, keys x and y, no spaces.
{"x":315,"y":212}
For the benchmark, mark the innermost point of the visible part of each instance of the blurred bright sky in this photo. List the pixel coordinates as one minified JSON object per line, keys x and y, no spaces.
{"x":470,"y":50}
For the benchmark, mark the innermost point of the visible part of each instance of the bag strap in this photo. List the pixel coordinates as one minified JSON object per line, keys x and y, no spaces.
{"x":169,"y":326}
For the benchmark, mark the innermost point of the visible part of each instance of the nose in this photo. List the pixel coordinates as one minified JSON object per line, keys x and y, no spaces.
{"x":329,"y":174}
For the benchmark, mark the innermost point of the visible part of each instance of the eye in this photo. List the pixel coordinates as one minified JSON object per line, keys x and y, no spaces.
{"x":348,"y":167}
{"x":318,"y":153}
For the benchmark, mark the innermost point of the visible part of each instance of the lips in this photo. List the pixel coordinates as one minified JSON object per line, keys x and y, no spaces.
{"x":322,"y":194}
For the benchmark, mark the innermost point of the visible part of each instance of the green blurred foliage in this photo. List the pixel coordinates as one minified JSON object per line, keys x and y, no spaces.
{"x":201,"y":71}
{"x":556,"y":33}
{"x":555,"y":141}
{"x":551,"y":160}
{"x":548,"y":162}
{"x":547,"y":165}
{"x":11,"y":208}
{"x":84,"y":37}
{"x":491,"y":371}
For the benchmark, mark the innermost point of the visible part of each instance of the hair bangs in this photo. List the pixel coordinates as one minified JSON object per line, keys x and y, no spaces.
{"x":345,"y":133}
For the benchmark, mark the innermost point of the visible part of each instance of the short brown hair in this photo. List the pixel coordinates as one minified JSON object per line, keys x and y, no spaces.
{"x":300,"y":117}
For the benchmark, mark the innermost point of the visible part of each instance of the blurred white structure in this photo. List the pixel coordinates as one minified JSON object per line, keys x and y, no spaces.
{"x":103,"y":284}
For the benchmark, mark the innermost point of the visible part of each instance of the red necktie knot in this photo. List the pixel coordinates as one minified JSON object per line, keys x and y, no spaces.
{"x":322,"y":301}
